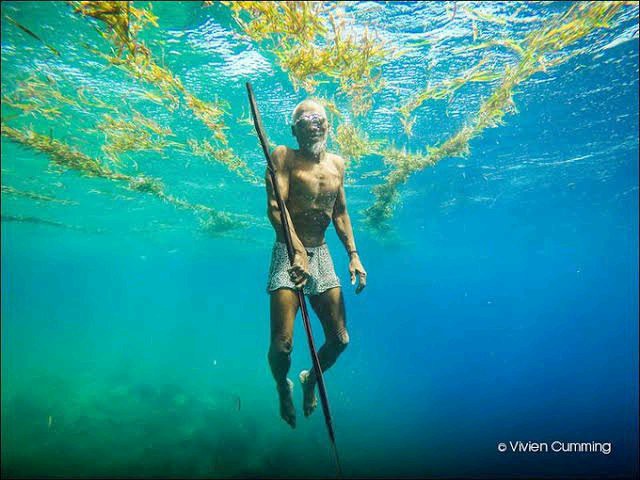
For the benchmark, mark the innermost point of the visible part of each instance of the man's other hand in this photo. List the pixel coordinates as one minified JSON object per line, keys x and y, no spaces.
{"x":356,"y":268}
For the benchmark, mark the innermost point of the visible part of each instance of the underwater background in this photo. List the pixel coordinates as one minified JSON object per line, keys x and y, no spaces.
{"x":502,"y":296}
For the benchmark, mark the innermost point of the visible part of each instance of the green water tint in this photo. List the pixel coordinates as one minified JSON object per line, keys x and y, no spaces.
{"x":315,"y":43}
{"x":123,"y":413}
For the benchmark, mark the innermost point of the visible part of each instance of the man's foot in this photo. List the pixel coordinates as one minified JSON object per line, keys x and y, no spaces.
{"x":309,"y":400}
{"x":287,"y":410}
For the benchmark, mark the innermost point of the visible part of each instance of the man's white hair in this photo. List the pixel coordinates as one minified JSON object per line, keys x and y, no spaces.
{"x":306,"y":105}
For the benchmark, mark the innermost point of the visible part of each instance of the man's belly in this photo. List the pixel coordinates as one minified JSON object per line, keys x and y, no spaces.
{"x":310,"y":226}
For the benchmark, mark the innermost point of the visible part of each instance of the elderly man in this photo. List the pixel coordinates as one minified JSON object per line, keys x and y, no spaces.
{"x":311,"y":182}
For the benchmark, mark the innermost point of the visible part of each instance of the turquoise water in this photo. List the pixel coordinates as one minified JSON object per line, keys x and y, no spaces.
{"x":502,"y":304}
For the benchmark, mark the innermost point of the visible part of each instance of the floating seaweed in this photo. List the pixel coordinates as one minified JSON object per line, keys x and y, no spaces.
{"x":445,"y":89}
{"x":219,"y":222}
{"x":67,"y":157}
{"x":41,"y":96}
{"x":31,"y":34}
{"x":140,"y":134}
{"x":313,"y":43}
{"x":210,"y":114}
{"x":11,"y":191}
{"x":93,"y":102}
{"x":124,"y":21}
{"x":481,"y":15}
{"x":504,"y":42}
{"x":59,"y":153}
{"x":354,"y":144}
{"x":557,"y":34}
{"x":330,"y":107}
{"x":484,"y":16}
{"x":207,"y":151}
{"x":37,"y":96}
{"x":42,"y":221}
{"x":132,"y":55}
{"x":291,"y":19}
{"x":372,"y":174}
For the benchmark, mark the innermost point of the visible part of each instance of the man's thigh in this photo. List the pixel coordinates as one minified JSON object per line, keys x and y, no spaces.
{"x":284,"y":306}
{"x":329,"y":306}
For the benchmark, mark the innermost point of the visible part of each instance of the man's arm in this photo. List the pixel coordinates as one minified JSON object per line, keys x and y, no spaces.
{"x":342,"y":223}
{"x":300,"y":267}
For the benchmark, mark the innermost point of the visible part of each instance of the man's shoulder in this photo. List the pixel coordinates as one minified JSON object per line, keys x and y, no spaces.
{"x":281,"y":150}
{"x":281,"y":156}
{"x":337,"y":160}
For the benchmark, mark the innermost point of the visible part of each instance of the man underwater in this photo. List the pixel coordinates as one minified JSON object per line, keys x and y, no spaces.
{"x":311,"y":182}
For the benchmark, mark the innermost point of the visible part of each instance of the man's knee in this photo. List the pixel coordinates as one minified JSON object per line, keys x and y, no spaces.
{"x":281,"y":344}
{"x":340,"y":340}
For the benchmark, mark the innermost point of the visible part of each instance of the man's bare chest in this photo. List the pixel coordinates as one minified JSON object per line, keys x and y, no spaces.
{"x":315,"y":183}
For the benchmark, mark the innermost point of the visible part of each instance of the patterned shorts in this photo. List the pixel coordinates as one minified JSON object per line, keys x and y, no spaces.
{"x":322,"y":275}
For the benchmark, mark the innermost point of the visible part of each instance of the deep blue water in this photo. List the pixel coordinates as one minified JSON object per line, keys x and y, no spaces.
{"x":503,"y":307}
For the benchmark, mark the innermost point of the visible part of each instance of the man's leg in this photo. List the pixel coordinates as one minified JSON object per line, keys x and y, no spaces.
{"x":284,"y":306}
{"x":329,"y":306}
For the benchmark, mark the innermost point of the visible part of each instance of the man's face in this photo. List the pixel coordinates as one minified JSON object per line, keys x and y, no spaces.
{"x":310,"y":128}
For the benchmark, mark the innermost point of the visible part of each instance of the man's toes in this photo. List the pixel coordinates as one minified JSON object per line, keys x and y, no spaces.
{"x":290,"y":419}
{"x":288,"y":412}
{"x":309,"y":407}
{"x":310,"y":403}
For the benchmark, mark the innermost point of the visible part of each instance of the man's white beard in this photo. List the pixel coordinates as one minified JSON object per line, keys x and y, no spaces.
{"x":318,"y":147}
